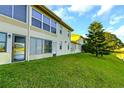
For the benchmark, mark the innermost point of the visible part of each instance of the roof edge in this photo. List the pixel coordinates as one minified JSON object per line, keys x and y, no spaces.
{"x":54,"y":16}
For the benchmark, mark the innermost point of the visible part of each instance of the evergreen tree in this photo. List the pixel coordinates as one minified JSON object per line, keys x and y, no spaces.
{"x":96,"y":38}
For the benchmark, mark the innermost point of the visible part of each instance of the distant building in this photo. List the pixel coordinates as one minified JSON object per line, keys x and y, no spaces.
{"x":76,"y":43}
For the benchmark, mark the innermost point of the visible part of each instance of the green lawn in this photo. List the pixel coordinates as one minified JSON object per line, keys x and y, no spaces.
{"x":76,"y":70}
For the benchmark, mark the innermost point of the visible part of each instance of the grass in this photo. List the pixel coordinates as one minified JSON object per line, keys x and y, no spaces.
{"x":76,"y":70}
{"x":120,"y":53}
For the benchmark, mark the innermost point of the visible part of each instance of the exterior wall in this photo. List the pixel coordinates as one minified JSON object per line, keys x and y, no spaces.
{"x":75,"y":48}
{"x":38,"y":33}
{"x":65,"y":41}
{"x":12,"y":26}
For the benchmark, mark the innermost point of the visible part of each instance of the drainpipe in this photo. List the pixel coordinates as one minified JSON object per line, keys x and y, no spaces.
{"x":28,"y":33}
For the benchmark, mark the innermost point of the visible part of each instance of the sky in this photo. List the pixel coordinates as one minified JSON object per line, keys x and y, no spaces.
{"x":79,"y":17}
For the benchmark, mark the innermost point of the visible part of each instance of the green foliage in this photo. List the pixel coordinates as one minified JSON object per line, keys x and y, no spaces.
{"x":112,"y":42}
{"x":77,"y":70}
{"x":100,"y":42}
{"x":96,"y":39}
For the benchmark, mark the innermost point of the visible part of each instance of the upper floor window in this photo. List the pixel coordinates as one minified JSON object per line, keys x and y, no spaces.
{"x":6,"y":10}
{"x":53,"y":26}
{"x":36,"y":14}
{"x":17,"y":11}
{"x":20,"y":12}
{"x":46,"y":23}
{"x":36,"y":18}
{"x":3,"y":40}
{"x":60,"y":29}
{"x":68,"y":34}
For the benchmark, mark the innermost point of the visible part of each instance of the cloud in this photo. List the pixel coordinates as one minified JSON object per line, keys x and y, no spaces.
{"x":104,"y":9}
{"x":62,"y":13}
{"x":115,"y":19}
{"x":84,"y":35}
{"x":81,"y":9}
{"x":118,"y":32}
{"x":109,"y":29}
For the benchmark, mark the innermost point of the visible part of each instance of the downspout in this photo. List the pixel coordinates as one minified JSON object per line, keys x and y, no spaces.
{"x":28,"y":33}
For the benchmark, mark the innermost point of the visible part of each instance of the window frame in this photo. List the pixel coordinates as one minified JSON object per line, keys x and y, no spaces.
{"x":61,"y":28}
{"x":46,"y":23}
{"x":41,"y":21}
{"x":12,"y":16}
{"x":36,"y":46}
{"x":68,"y":34}
{"x":37,"y":20}
{"x":4,"y":42}
{"x":68,"y":46}
{"x":13,"y":12}
{"x":60,"y":45}
{"x":52,"y":27}
{"x":47,"y":18}
{"x":49,"y":48}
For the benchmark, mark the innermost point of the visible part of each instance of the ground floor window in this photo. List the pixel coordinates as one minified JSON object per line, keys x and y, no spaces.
{"x":73,"y":47}
{"x":40,"y":46}
{"x":36,"y":46}
{"x":68,"y":46}
{"x":47,"y":46}
{"x":60,"y":45}
{"x":3,"y":41}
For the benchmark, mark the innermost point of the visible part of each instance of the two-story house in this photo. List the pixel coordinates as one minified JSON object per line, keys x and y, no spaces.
{"x":31,"y":32}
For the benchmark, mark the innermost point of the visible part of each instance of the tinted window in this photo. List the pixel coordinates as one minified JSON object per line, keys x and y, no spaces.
{"x":39,"y":47}
{"x":2,"y":42}
{"x":53,"y":30}
{"x":46,"y":27}
{"x":36,"y":46}
{"x":47,"y":46}
{"x":20,"y":12}
{"x":36,"y":14}
{"x":46,"y":20}
{"x":2,"y":37}
{"x":61,"y":29}
{"x":60,"y":45}
{"x":36,"y":23}
{"x":53,"y":24}
{"x":6,"y":10}
{"x":68,"y":46}
{"x":32,"y":46}
{"x":19,"y":39}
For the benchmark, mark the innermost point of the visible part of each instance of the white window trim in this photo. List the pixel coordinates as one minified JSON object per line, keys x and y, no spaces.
{"x":42,"y":22}
{"x":37,"y":18}
{"x":48,"y":18}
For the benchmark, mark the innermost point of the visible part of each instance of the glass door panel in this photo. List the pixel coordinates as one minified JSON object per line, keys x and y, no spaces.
{"x":19,"y":48}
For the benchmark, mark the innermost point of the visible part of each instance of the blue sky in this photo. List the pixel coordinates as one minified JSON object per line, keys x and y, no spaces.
{"x":80,"y":16}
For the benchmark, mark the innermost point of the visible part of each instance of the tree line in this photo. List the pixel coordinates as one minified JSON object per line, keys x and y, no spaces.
{"x":100,"y":42}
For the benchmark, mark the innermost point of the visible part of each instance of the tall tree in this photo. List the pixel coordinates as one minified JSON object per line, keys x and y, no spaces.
{"x":112,"y":42}
{"x":96,"y":38}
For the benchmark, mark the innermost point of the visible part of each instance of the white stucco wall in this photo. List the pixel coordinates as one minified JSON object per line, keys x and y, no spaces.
{"x":65,"y":41}
{"x":75,"y":48}
{"x":8,"y":26}
{"x":13,"y":26}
